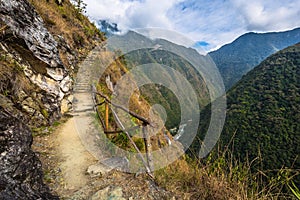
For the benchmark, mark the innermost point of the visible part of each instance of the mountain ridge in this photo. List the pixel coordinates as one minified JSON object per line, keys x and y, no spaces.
{"x":237,"y":58}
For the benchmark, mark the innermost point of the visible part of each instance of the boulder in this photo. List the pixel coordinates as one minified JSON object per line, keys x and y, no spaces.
{"x":109,"y":193}
{"x":98,"y":170}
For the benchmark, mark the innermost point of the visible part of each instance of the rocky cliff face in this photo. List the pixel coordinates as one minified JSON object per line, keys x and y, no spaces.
{"x":20,"y":169}
{"x":37,"y":62}
{"x":26,"y":40}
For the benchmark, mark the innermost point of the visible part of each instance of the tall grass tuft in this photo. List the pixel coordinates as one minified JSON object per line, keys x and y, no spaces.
{"x":219,"y":176}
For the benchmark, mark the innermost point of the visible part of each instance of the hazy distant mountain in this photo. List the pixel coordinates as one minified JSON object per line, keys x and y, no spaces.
{"x":263,"y":112}
{"x":237,"y":58}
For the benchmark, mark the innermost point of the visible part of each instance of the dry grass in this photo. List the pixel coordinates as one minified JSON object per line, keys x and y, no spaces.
{"x":221,"y":178}
{"x":197,"y":182}
{"x":79,"y":33}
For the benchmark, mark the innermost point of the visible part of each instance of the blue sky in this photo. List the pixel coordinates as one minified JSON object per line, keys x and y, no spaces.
{"x":210,"y":23}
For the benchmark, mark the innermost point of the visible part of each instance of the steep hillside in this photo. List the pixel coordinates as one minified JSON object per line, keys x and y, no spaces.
{"x":160,"y":94}
{"x":163,"y":52}
{"x":41,"y":43}
{"x":179,"y":177}
{"x":263,"y":114}
{"x":237,"y":58}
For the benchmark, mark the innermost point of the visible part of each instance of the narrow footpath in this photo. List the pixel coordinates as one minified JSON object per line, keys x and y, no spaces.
{"x":71,"y":156}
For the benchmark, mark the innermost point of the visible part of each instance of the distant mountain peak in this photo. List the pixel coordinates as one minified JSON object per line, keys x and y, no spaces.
{"x":237,"y":58}
{"x":107,"y":27}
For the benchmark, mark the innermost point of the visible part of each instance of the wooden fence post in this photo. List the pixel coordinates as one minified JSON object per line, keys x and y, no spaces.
{"x":148,"y":170}
{"x":106,"y":115}
{"x":148,"y":148}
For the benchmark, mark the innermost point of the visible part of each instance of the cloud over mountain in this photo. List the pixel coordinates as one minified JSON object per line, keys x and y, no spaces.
{"x":215,"y":22}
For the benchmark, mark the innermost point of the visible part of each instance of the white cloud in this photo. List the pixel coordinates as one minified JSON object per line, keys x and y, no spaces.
{"x":151,"y":13}
{"x":112,"y":10}
{"x":269,"y":15}
{"x":132,"y":14}
{"x":216,"y":22}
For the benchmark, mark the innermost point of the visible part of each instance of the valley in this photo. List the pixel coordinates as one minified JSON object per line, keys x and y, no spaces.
{"x":90,"y":112}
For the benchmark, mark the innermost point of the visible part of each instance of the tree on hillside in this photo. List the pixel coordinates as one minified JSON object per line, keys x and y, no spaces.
{"x":80,"y":5}
{"x":59,"y":2}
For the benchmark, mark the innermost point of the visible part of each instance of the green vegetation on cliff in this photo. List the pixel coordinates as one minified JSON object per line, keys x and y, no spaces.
{"x":263,"y":115}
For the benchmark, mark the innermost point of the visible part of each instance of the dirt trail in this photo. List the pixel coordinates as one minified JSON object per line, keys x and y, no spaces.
{"x":75,"y":158}
{"x":76,"y":148}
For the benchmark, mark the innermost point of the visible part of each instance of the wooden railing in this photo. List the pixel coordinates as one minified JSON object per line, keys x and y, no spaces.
{"x":110,"y":106}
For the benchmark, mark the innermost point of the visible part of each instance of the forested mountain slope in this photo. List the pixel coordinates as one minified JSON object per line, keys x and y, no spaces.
{"x":263,"y":113}
{"x":237,"y":58}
